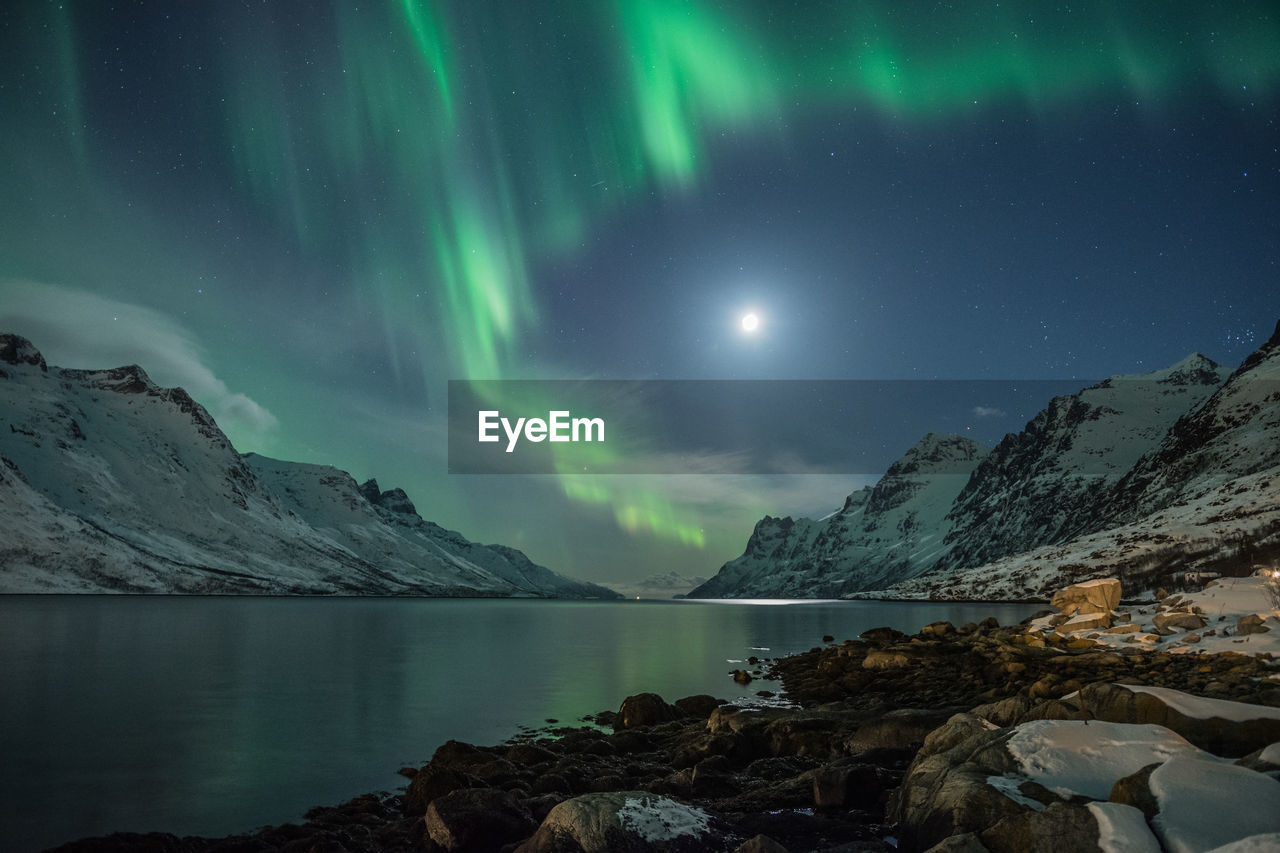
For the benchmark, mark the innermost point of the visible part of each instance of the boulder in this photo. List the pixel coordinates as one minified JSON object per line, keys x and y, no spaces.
{"x":803,"y":734}
{"x":528,"y":754}
{"x":477,"y":819}
{"x":1092,"y":621}
{"x":885,"y":659}
{"x":710,"y":777}
{"x":883,"y":636}
{"x":625,"y":822}
{"x":1060,"y":828}
{"x":953,"y":732}
{"x":904,"y":728}
{"x":1025,"y":788}
{"x":733,"y":719}
{"x":1135,"y":790}
{"x":1005,"y":712}
{"x":1183,"y":619}
{"x":1225,"y":728}
{"x":1265,"y":760}
{"x":495,"y":772}
{"x":946,"y":791}
{"x":700,"y":706}
{"x":430,"y":782}
{"x":1207,"y":805}
{"x":1095,"y":596}
{"x":760,"y":844}
{"x":1252,"y":624}
{"x":645,"y":709}
{"x":849,"y":785}
{"x":456,"y":754}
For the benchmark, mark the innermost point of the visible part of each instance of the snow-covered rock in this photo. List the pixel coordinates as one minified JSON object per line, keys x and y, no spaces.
{"x":1205,"y":804}
{"x":1200,"y":622}
{"x":1122,"y":829}
{"x":1224,"y":727}
{"x":1067,"y":784}
{"x":625,"y":820}
{"x":109,"y":483}
{"x":1095,"y":596}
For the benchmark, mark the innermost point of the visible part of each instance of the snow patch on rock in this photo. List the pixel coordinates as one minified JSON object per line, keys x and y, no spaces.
{"x":1122,"y":829}
{"x":1207,"y":803}
{"x":1073,"y":757}
{"x":662,"y":818}
{"x":1204,"y":708}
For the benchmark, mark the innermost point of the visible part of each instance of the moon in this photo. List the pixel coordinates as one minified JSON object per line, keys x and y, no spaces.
{"x":750,"y":322}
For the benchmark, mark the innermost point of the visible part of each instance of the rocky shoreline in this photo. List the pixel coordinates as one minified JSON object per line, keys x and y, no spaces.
{"x":877,"y":753}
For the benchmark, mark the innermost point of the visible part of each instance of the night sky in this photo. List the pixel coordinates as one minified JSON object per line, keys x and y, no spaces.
{"x":313,"y":216}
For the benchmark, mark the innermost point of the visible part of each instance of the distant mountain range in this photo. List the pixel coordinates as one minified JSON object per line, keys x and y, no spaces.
{"x":665,"y":585}
{"x":1141,"y":476}
{"x":109,"y":483}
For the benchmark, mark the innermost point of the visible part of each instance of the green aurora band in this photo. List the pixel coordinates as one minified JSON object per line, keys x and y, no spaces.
{"x":422,"y":153}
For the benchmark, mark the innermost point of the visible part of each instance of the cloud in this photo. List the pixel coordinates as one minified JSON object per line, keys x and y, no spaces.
{"x":988,"y":412}
{"x":75,"y":328}
{"x":237,"y":408}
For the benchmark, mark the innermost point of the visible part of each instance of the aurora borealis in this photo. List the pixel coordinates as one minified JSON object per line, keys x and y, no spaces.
{"x":314,"y":216}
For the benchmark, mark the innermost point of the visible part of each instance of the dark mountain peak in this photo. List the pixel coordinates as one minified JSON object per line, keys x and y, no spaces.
{"x":15,"y":349}
{"x":937,"y":453}
{"x":392,"y":500}
{"x":129,"y":379}
{"x":1195,"y":369}
{"x":395,"y":500}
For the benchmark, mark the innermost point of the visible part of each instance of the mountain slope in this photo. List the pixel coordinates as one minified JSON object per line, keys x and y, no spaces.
{"x":1235,"y":433}
{"x":882,"y":534}
{"x":111,"y":483}
{"x":1141,"y":475}
{"x":1229,"y":529}
{"x":1045,"y":484}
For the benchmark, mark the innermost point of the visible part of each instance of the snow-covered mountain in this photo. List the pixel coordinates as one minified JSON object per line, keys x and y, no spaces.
{"x":1231,"y":528}
{"x":1235,"y":433}
{"x":893,"y":530}
{"x":1140,"y":475}
{"x":109,"y":483}
{"x":1044,"y":484}
{"x":665,"y":585}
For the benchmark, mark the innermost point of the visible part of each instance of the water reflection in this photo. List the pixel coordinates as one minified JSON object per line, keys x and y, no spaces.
{"x":217,"y":715}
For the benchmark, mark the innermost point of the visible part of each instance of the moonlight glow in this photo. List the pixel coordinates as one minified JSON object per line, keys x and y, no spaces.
{"x":750,"y":322}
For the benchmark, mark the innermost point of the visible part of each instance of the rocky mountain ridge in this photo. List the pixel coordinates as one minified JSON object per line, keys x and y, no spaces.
{"x":1139,"y":475}
{"x":895,"y":529}
{"x":110,"y":483}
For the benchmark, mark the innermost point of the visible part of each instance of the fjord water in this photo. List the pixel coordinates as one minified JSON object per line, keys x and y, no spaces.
{"x":211,"y":716}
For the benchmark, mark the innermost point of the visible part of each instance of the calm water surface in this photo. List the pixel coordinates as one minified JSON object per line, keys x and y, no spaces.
{"x":210,"y":716}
